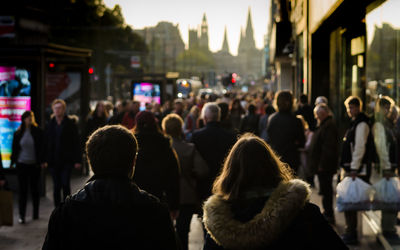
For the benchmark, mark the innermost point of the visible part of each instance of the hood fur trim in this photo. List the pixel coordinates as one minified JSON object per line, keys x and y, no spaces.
{"x":281,"y":208}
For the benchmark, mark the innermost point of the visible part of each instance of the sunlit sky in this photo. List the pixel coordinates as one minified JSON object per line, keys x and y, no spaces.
{"x":189,"y":13}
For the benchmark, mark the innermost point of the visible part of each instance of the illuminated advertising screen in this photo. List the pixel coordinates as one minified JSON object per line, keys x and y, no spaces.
{"x":145,"y":92}
{"x":15,"y":89}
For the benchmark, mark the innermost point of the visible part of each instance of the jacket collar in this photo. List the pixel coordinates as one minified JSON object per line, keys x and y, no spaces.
{"x":279,"y":211}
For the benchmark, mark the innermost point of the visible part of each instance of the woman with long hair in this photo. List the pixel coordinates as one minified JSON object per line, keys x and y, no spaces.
{"x":27,"y":154}
{"x":157,"y":166}
{"x":257,"y":204}
{"x":97,"y":119}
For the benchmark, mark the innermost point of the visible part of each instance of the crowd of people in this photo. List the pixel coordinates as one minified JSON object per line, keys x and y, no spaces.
{"x":241,"y":155}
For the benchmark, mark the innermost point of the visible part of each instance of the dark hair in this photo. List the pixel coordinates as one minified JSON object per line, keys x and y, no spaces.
{"x":251,"y":163}
{"x":353,"y":100}
{"x":24,"y":116}
{"x":251,"y":108}
{"x":284,"y":101}
{"x":224,"y":110}
{"x":146,"y":122}
{"x":105,"y":112}
{"x":303,"y":99}
{"x":111,"y":150}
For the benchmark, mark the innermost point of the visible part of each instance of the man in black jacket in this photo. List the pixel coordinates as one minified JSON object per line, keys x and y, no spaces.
{"x":213,"y":143}
{"x":323,"y":156}
{"x":111,"y":212}
{"x":62,"y":149}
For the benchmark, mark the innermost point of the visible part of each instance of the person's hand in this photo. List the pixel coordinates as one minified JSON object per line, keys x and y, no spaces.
{"x":2,"y":183}
{"x":44,"y":165}
{"x":353,"y":174}
{"x":77,"y":166}
{"x":174,"y":214}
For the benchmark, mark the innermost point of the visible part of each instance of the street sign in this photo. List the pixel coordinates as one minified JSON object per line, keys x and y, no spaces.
{"x":135,"y":62}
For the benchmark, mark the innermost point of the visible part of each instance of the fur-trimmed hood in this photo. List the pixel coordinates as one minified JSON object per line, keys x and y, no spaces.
{"x":265,"y":227}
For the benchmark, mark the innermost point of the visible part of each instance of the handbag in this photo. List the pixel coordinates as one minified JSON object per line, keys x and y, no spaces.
{"x":6,"y":208}
{"x":387,"y":196}
{"x":353,"y":195}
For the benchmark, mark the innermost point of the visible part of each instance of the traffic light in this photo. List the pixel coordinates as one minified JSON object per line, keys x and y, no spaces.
{"x":91,"y":70}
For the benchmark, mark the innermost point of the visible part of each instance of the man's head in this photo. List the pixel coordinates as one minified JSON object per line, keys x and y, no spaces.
{"x":353,"y":106}
{"x":321,"y":112}
{"x":284,"y":101}
{"x":384,"y":105}
{"x":134,"y":107}
{"x":111,"y":150}
{"x":303,"y":99}
{"x":211,"y":112}
{"x":59,"y":107}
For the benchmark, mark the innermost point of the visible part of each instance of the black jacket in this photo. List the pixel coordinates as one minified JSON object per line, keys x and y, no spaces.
{"x":37,"y":135}
{"x":324,"y":148}
{"x":213,"y":144}
{"x":285,"y":134}
{"x":157,"y":168}
{"x":284,"y":219}
{"x":110,"y":213}
{"x":70,"y":150}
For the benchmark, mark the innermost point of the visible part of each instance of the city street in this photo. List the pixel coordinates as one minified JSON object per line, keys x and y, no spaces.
{"x":31,"y":235}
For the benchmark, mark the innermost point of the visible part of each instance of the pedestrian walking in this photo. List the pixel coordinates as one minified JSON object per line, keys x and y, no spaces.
{"x":285,"y":131}
{"x":250,"y":121}
{"x":97,"y":119}
{"x":236,"y":112}
{"x":157,"y":166}
{"x":27,"y":155}
{"x":386,"y":145}
{"x":62,"y":149}
{"x":304,"y":109}
{"x":213,"y":143}
{"x":193,"y":170}
{"x":257,"y":204}
{"x":111,"y":212}
{"x":323,"y":156}
{"x":129,"y":117}
{"x":357,"y":154}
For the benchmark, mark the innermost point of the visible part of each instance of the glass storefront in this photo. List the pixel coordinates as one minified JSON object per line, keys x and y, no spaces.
{"x":383,"y":56}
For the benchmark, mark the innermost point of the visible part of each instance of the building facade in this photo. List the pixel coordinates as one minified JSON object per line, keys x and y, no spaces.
{"x":336,"y":48}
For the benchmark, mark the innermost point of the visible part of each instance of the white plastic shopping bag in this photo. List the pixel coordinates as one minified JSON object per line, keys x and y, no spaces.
{"x":387,"y":194}
{"x":353,"y":195}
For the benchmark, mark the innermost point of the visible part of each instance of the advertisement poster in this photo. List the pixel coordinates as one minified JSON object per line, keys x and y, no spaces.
{"x":66,"y":86}
{"x":146,"y":93}
{"x":14,"y":101}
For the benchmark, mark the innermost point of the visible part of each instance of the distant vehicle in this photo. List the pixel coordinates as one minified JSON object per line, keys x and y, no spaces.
{"x":185,"y":86}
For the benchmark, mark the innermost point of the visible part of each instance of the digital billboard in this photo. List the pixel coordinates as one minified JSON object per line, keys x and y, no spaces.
{"x":15,"y":88}
{"x":145,"y":92}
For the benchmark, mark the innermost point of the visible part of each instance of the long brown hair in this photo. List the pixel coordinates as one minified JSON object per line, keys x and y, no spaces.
{"x":251,"y":163}
{"x":23,"y":117}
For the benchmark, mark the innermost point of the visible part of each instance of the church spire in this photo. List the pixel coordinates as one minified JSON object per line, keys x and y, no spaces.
{"x":225,"y":45}
{"x":204,"y":33}
{"x":249,"y":35}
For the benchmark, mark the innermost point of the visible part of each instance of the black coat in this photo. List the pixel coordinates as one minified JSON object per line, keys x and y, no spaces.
{"x":38,"y":140}
{"x":157,"y":168}
{"x":110,"y":213}
{"x":285,"y":134}
{"x":93,"y":123}
{"x":70,"y":149}
{"x":213,"y":144}
{"x":283,"y":219}
{"x":324,"y":148}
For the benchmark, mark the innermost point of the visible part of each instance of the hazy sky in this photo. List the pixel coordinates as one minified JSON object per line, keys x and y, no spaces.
{"x":189,"y":13}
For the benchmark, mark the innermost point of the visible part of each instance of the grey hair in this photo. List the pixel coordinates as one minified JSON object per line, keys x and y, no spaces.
{"x":323,"y":106}
{"x":321,"y":99}
{"x":211,"y":112}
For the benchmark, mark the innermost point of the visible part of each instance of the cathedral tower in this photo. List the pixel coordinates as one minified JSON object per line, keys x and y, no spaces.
{"x":204,"y":34}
